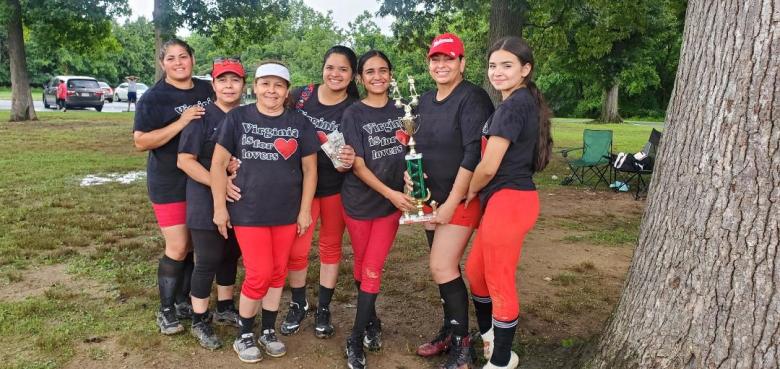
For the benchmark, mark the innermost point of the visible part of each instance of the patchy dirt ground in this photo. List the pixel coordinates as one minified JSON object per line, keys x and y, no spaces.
{"x":568,"y":282}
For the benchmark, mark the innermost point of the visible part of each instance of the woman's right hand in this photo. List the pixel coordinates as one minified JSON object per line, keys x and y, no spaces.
{"x":408,"y":183}
{"x":192,"y":113}
{"x":232,"y":191}
{"x":401,"y":201}
{"x":222,"y":220}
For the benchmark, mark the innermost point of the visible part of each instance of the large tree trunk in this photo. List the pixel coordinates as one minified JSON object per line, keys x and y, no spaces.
{"x":22,"y":107}
{"x":507,"y":18}
{"x":703,"y":290}
{"x":164,"y":30}
{"x":609,"y":105}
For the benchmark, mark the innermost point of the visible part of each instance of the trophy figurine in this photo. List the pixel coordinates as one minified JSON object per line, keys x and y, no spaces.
{"x":414,"y":167}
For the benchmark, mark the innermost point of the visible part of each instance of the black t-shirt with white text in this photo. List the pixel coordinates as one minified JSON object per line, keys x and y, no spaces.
{"x":517,"y":120}
{"x":198,"y":139}
{"x":160,"y":106}
{"x":449,"y":134}
{"x":270,"y":150}
{"x":325,"y":119}
{"x":376,"y":135}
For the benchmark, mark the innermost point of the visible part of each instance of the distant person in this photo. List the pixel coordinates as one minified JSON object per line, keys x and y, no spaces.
{"x":132,"y":90}
{"x":62,"y":94}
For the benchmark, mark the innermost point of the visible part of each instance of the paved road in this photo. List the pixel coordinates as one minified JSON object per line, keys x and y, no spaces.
{"x":107,"y":107}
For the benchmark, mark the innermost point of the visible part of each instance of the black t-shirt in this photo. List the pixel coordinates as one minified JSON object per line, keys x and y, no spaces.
{"x":198,"y":139}
{"x":270,"y":149}
{"x":326,"y":119}
{"x":517,"y":120}
{"x":376,"y":135}
{"x":449,"y":134}
{"x":160,"y":106}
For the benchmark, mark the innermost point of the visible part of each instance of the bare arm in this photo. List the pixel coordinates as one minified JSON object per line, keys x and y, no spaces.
{"x":190,"y":165}
{"x":399,"y":199}
{"x":218,"y":177}
{"x":309,"y":168}
{"x":153,"y":139}
{"x":487,"y":168}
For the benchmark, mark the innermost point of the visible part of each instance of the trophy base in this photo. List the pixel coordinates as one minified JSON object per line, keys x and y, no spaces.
{"x":416,"y":218}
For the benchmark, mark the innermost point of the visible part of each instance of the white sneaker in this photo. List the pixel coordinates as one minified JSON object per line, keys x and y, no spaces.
{"x":514,"y":361}
{"x":487,"y":344}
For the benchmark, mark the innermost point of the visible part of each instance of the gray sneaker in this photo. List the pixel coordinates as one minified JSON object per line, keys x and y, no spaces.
{"x":271,"y":344}
{"x":227,"y":317}
{"x":247,"y":349}
{"x":167,"y":321}
{"x":205,"y":335}
{"x":183,"y":310}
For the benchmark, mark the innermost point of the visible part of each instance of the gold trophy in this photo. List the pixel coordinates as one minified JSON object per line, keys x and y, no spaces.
{"x":414,"y":165}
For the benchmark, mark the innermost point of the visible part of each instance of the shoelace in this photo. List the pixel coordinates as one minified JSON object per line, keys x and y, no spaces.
{"x":247,"y":339}
{"x":269,"y":335}
{"x":170,"y":316}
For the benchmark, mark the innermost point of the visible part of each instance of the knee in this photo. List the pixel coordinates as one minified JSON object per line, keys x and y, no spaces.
{"x":371,"y":279}
{"x":298,"y":262}
{"x":256,"y":285}
{"x":441,"y":271}
{"x":330,"y":254}
{"x":176,"y":251}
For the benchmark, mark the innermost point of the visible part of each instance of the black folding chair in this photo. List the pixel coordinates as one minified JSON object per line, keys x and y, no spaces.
{"x":641,"y":174}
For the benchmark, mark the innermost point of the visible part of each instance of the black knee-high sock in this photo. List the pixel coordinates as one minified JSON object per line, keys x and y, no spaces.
{"x":456,"y":305}
{"x":325,"y":296}
{"x":183,"y":294}
{"x":299,"y":295}
{"x":268,"y":319}
{"x":245,"y":325}
{"x":502,"y":344}
{"x":168,"y":279}
{"x":483,"y":306}
{"x":429,"y":235}
{"x":365,"y":307}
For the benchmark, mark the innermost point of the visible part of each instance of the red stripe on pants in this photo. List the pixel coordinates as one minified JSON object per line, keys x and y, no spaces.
{"x":371,"y":243}
{"x":331,"y":212}
{"x":265,"y":252}
{"x":492,"y":262}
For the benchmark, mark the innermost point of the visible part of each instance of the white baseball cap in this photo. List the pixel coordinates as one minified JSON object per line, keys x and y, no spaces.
{"x":273,"y":69}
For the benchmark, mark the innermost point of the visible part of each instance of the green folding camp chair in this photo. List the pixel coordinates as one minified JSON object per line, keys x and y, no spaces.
{"x":594,"y":162}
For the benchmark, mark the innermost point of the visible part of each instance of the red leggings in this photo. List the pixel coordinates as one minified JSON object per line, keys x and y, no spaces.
{"x":265,"y":252}
{"x":492,"y":263}
{"x":371,"y":243}
{"x":331,"y":232}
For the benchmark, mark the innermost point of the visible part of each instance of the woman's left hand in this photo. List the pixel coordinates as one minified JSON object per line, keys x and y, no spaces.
{"x":304,"y":222}
{"x":346,"y":156}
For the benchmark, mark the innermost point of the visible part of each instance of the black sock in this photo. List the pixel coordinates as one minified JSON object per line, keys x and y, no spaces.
{"x":269,"y":319}
{"x":168,"y":279}
{"x":429,"y":235}
{"x":245,"y":325}
{"x":183,"y":294}
{"x":197,"y":317}
{"x":502,"y":344}
{"x":224,"y":305}
{"x":365,"y":308}
{"x":299,"y":295}
{"x":483,"y":306}
{"x":456,"y":305}
{"x":325,"y":296}
{"x":357,"y":285}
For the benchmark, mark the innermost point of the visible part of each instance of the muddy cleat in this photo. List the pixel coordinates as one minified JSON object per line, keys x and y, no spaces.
{"x":373,"y":338}
{"x":514,"y":361}
{"x":487,"y":344}
{"x":247,"y":349}
{"x":271,"y":344}
{"x":322,"y":325}
{"x":356,"y":357}
{"x":228,"y":317}
{"x":183,"y":310}
{"x":167,"y":321}
{"x":459,"y":356}
{"x":295,"y":315}
{"x":205,"y":335}
{"x":438,"y":345}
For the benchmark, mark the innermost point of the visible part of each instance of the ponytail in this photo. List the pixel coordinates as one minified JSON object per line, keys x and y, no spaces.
{"x":544,"y":143}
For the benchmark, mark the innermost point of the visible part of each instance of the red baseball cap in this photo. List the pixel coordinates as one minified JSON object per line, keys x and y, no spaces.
{"x":448,"y":44}
{"x":227,"y":66}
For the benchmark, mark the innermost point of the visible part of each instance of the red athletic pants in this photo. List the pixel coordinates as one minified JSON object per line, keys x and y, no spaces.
{"x":331,"y":231}
{"x":371,"y":243}
{"x":492,"y":262}
{"x":265,"y":252}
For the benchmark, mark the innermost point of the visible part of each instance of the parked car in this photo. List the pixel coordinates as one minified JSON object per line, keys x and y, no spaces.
{"x":108,"y":92}
{"x":120,"y":92}
{"x":83,"y":92}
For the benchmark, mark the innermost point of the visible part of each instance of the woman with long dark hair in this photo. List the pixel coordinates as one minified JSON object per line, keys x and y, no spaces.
{"x":516,"y":143}
{"x":323,"y":104}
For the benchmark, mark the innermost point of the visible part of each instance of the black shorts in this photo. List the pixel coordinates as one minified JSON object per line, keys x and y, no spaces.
{"x":131,"y":96}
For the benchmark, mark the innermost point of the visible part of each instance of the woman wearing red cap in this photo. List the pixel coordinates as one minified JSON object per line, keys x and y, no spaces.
{"x":166,"y":109}
{"x":278,"y":152}
{"x":450,"y":121}
{"x":214,"y":255}
{"x":516,"y":144}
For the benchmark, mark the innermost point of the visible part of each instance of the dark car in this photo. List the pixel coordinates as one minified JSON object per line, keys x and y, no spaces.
{"x":83,"y":92}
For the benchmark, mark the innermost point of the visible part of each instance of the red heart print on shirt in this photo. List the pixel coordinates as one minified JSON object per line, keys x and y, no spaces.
{"x":402,"y":136}
{"x":322,"y":136}
{"x":286,"y":147}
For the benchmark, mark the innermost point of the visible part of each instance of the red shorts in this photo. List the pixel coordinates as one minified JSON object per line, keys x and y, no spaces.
{"x":466,"y":217}
{"x":171,"y":214}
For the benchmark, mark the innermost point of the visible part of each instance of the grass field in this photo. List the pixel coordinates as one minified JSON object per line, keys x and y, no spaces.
{"x":5,"y":93}
{"x":107,"y":234}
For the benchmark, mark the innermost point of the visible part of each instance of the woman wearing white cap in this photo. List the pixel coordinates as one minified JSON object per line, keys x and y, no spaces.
{"x":278,"y":150}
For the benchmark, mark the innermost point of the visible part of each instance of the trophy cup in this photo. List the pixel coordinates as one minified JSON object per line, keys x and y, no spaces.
{"x":414,"y":167}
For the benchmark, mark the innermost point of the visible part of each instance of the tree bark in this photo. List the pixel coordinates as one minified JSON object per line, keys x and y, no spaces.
{"x":22,"y":107}
{"x":609,"y":105}
{"x":164,"y":30}
{"x":507,"y":18}
{"x":703,"y":290}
